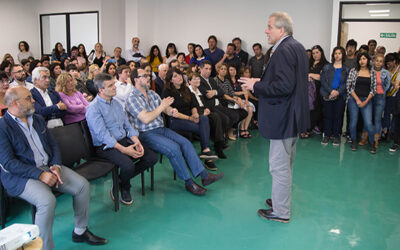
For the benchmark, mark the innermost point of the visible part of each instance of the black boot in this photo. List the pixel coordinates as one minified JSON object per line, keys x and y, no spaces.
{"x":218,"y":146}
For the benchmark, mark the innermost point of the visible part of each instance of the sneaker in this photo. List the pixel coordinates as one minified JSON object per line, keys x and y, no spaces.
{"x":316,"y":130}
{"x":208,"y":155}
{"x":269,"y":215}
{"x":394,"y":147}
{"x":348,"y":138}
{"x":336,"y":141}
{"x":353,"y":146}
{"x":325,"y":140}
{"x":210,"y":165}
{"x":372,"y":148}
{"x":126,"y":197}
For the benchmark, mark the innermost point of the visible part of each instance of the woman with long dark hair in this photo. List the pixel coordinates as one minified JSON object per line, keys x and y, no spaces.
{"x":82,"y":56}
{"x":333,"y":91}
{"x":244,"y":95}
{"x":155,"y":58}
{"x":58,"y":53}
{"x":188,"y":118}
{"x":317,"y":62}
{"x":361,"y":88}
{"x":170,"y":52}
{"x":55,"y":71}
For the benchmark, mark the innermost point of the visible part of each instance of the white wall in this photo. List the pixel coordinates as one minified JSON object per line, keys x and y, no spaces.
{"x":180,"y":21}
{"x":335,"y":19}
{"x":372,"y":31}
{"x":184,"y":21}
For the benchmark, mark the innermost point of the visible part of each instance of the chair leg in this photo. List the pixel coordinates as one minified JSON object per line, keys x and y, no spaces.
{"x":115,"y":188}
{"x":174,"y":175}
{"x":152,"y":178}
{"x":33,"y":209}
{"x":3,"y":207}
{"x":142,"y":177}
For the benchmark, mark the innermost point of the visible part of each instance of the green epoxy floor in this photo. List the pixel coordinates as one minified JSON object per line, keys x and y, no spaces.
{"x":340,"y":200}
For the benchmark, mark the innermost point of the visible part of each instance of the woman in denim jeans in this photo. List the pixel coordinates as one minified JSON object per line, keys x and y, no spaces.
{"x":333,"y":91}
{"x":378,"y":102}
{"x":361,"y":88}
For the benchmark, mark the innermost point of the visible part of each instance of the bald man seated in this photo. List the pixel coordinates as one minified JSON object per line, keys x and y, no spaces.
{"x":31,"y":168}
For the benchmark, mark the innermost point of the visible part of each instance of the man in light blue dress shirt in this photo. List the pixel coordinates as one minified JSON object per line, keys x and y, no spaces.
{"x":113,"y":136}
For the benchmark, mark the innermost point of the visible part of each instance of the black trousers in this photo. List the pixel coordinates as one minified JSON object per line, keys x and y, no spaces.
{"x":129,"y":167}
{"x":396,"y":129}
{"x":230,"y":116}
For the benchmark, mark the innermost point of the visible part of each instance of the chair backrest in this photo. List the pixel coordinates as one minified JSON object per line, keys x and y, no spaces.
{"x":88,"y":139}
{"x":71,"y":143}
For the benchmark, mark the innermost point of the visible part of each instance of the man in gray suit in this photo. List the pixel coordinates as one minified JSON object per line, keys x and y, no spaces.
{"x":283,"y":109}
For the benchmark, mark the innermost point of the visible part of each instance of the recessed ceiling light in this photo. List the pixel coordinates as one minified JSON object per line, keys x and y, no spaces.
{"x":379,"y":14}
{"x":379,"y":11}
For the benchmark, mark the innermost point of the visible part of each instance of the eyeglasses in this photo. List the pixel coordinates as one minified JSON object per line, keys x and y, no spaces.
{"x":4,"y":81}
{"x":19,"y":71}
{"x":144,"y":75}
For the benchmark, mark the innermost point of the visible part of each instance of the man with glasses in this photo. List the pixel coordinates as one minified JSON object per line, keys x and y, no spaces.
{"x":144,"y":108}
{"x":113,"y":136}
{"x":47,"y":102}
{"x":19,"y":76}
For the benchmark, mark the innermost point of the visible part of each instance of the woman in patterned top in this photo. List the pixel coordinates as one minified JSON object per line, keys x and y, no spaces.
{"x":361,"y":88}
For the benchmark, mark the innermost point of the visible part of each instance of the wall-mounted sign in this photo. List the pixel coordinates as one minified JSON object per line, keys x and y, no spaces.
{"x":388,"y":35}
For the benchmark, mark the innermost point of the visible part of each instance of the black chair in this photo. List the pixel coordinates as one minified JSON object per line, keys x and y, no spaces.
{"x":4,"y":200}
{"x":92,"y":155}
{"x":73,"y":148}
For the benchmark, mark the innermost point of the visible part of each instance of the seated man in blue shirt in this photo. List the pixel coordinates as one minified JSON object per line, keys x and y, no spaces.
{"x":144,"y":108}
{"x":114,"y":137}
{"x":31,"y":168}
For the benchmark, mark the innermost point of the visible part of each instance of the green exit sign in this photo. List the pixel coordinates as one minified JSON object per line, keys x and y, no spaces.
{"x":388,"y":35}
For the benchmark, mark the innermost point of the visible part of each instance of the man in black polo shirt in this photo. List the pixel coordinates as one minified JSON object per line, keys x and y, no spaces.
{"x":256,"y":63}
{"x":243,"y":55}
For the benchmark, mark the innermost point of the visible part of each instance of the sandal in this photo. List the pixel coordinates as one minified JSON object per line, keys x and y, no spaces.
{"x":243,"y":134}
{"x":248,"y":134}
{"x":304,"y":136}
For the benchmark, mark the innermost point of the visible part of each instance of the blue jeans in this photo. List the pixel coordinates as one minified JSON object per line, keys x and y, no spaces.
{"x":201,"y":129}
{"x":387,"y":122}
{"x":333,"y":116}
{"x":379,"y":105}
{"x":366,"y":113}
{"x":177,"y":148}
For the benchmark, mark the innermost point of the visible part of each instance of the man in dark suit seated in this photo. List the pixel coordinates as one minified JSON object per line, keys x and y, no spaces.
{"x":31,"y":168}
{"x":283,"y":109}
{"x":213,"y":95}
{"x":47,"y":102}
{"x":160,"y":80}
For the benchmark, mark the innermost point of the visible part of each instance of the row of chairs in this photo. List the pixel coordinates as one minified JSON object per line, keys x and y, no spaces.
{"x":78,"y":153}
